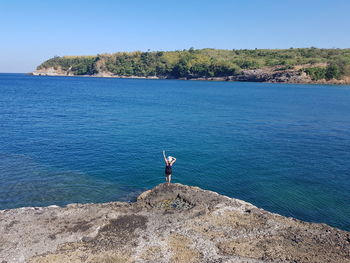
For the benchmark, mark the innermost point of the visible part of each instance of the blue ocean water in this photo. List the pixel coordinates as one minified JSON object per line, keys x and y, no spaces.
{"x":282,"y":147}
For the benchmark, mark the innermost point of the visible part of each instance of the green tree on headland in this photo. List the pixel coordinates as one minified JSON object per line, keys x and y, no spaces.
{"x":333,"y":72}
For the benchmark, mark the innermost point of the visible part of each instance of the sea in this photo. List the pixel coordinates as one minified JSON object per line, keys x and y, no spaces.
{"x":282,"y":147}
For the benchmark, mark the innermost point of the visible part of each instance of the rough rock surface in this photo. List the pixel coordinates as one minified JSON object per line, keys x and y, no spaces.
{"x":270,"y":75}
{"x":170,"y":223}
{"x":52,"y":72}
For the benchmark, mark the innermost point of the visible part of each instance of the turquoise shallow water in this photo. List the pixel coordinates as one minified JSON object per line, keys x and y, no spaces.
{"x":284,"y":148}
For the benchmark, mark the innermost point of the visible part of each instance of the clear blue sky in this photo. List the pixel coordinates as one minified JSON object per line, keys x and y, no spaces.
{"x":33,"y":31}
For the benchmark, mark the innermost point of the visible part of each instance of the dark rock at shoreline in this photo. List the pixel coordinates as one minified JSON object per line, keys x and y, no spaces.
{"x":170,"y":223}
{"x":260,"y":75}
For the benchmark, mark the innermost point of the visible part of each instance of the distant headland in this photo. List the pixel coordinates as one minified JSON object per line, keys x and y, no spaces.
{"x":294,"y":65}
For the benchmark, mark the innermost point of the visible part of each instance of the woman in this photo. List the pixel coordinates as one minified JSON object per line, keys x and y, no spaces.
{"x":168,"y":166}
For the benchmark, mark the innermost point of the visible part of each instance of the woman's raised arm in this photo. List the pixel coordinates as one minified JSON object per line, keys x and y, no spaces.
{"x":165,"y":160}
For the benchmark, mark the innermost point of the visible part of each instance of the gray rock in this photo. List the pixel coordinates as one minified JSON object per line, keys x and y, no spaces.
{"x":170,"y":223}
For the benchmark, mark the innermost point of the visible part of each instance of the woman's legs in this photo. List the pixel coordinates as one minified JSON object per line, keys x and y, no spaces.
{"x":168,"y":178}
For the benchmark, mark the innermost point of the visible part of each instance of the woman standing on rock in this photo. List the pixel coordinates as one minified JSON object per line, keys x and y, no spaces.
{"x":168,"y":166}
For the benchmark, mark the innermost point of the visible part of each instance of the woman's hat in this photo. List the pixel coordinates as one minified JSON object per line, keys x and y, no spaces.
{"x":170,"y":158}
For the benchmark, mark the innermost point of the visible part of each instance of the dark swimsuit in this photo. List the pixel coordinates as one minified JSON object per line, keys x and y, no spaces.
{"x":168,"y":170}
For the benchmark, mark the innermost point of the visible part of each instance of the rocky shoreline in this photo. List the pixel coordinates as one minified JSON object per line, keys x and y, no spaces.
{"x":170,"y":223}
{"x":268,"y":75}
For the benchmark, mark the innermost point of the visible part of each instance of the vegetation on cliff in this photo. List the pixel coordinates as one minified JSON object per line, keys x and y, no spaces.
{"x":205,"y":63}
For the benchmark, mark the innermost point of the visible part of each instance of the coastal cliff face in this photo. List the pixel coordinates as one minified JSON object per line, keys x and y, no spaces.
{"x":255,"y":75}
{"x":58,"y":71}
{"x":170,"y":223}
{"x":270,"y":75}
{"x":51,"y":71}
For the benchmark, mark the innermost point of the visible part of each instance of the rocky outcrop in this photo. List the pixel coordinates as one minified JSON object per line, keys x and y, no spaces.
{"x":170,"y":223}
{"x":268,"y":75}
{"x":52,"y":72}
{"x":102,"y":74}
{"x":271,"y":75}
